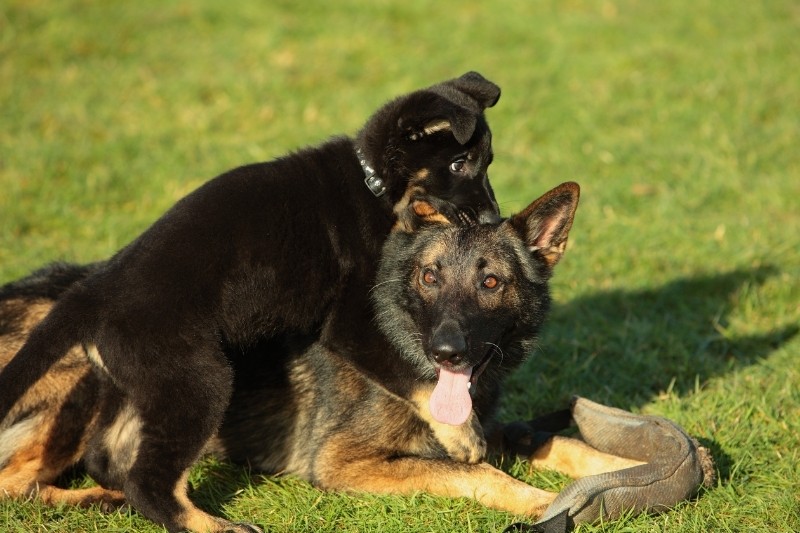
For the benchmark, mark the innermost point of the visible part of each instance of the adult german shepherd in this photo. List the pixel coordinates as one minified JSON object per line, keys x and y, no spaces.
{"x":258,"y":255}
{"x":397,"y":400}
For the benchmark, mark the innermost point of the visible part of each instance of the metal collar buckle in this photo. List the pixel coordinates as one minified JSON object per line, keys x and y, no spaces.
{"x":373,"y":182}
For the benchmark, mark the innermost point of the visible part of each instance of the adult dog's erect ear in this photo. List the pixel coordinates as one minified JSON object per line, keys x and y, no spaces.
{"x":451,"y":105}
{"x":544,"y":225}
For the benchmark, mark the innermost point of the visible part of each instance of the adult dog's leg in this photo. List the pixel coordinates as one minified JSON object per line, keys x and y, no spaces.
{"x":15,"y":483}
{"x":577,"y":459}
{"x":106,"y":499}
{"x":338,"y":470}
{"x":408,"y":475}
{"x":30,"y":468}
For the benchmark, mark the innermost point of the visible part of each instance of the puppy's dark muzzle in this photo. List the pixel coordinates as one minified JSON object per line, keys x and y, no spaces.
{"x":489,"y":217}
{"x":468,"y":216}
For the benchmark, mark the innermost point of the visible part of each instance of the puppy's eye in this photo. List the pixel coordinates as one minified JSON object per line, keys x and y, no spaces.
{"x":458,"y":166}
{"x":491,"y":282}
{"x":429,"y":277}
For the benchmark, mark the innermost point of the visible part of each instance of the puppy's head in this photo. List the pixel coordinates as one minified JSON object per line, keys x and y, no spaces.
{"x":432,"y":149}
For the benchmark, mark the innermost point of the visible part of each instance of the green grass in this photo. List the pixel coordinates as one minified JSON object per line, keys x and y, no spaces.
{"x":679,"y":295}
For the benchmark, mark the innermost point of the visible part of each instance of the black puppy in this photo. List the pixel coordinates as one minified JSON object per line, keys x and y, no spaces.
{"x":259,"y":252}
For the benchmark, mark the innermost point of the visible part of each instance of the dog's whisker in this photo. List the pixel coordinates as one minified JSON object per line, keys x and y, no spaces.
{"x":498,"y":350}
{"x":398,"y":280}
{"x":414,"y":338}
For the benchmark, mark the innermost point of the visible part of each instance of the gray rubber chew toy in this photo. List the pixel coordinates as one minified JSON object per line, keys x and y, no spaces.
{"x":676,"y":466}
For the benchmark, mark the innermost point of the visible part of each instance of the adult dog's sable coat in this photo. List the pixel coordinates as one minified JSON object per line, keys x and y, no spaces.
{"x":260,"y":252}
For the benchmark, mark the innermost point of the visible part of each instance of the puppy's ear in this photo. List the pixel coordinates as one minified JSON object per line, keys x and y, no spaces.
{"x":429,"y":112}
{"x":544,"y":225}
{"x":472,"y":93}
{"x":454,"y":104}
{"x":437,"y":124}
{"x":472,"y":84}
{"x":463,"y":126}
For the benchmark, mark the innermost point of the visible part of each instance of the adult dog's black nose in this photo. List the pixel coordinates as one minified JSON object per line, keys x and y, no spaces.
{"x":448,"y":343}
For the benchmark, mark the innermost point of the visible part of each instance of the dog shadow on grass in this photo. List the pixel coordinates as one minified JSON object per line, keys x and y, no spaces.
{"x":623,"y":348}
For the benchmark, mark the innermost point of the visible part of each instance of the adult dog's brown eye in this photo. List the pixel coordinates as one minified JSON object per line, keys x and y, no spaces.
{"x":457,"y":166}
{"x":428,"y":277}
{"x":490,"y":282}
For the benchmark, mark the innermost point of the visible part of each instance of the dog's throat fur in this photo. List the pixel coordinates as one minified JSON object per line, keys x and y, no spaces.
{"x":372,"y":180}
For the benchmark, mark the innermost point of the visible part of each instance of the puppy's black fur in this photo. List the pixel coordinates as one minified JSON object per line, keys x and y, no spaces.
{"x":260,"y":252}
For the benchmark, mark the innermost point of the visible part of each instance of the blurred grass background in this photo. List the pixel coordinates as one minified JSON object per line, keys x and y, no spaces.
{"x":679,"y":294}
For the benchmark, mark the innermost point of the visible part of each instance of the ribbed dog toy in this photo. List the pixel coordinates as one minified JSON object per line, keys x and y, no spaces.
{"x":676,"y":466}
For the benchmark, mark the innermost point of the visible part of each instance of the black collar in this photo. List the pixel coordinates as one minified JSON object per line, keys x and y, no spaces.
{"x":373,"y":182}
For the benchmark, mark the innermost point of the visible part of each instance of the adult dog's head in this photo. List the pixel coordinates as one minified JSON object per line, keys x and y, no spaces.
{"x":430,"y":151}
{"x":463,"y":302}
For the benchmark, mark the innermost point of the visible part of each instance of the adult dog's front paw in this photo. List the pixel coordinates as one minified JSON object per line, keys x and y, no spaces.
{"x":465,"y":443}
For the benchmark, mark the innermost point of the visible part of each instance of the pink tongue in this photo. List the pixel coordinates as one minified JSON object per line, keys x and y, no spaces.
{"x":450,"y":402}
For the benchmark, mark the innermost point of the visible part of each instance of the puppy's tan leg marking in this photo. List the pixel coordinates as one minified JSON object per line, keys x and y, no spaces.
{"x":122,"y":438}
{"x":198,"y":521}
{"x":94,"y":356}
{"x":577,"y":459}
{"x":193,"y":518}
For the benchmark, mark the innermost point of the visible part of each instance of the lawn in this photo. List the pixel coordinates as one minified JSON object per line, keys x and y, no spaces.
{"x":679,"y":294}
